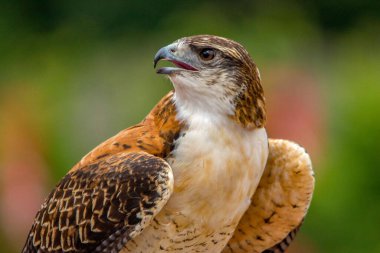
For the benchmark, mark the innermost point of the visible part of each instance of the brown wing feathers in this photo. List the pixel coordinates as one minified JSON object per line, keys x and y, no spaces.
{"x":279,"y":204}
{"x":112,"y":192}
{"x":99,"y":207}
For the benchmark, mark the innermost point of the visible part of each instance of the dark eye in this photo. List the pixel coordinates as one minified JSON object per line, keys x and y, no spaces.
{"x":207,"y":54}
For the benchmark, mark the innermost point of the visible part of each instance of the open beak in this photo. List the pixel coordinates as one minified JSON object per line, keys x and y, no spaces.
{"x":168,"y":53}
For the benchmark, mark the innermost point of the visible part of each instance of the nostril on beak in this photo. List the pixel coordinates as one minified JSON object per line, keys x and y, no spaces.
{"x":167,"y":52}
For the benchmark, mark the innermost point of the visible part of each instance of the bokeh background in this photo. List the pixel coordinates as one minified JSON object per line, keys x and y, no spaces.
{"x":73,"y":73}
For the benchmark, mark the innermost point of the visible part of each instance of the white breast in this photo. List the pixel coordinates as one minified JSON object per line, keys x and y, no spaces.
{"x":216,"y":169}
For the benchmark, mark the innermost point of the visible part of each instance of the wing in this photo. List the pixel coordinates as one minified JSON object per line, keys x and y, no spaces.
{"x":279,"y":204}
{"x":99,"y":207}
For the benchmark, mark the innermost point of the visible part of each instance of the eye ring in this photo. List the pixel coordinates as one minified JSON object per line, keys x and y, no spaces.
{"x":207,"y":54}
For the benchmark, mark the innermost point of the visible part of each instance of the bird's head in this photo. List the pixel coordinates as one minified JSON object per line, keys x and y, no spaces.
{"x":214,"y":76}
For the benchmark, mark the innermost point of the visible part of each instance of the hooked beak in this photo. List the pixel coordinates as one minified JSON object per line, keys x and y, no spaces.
{"x":169,"y":53}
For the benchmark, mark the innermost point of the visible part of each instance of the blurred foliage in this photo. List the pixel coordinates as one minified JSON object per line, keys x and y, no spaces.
{"x":87,"y":71}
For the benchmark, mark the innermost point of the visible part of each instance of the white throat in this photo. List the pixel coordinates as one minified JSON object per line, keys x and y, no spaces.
{"x":194,"y":99}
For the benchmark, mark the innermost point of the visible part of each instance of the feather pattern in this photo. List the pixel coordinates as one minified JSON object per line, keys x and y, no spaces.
{"x":91,"y":207}
{"x":279,"y":204}
{"x":100,"y":206}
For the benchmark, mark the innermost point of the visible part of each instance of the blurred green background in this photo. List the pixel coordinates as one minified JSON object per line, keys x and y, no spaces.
{"x":73,"y":73}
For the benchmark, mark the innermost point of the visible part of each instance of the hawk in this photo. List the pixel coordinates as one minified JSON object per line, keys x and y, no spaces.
{"x":198,"y":174}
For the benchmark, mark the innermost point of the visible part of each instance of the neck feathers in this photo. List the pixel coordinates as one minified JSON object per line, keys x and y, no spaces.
{"x":250,"y":103}
{"x":250,"y":108}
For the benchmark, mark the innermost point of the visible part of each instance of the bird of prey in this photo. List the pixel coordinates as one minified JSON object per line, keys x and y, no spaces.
{"x":198,"y":174}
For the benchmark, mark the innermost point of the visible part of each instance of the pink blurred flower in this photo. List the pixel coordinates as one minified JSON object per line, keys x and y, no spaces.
{"x":22,"y":167}
{"x":296,"y":108}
